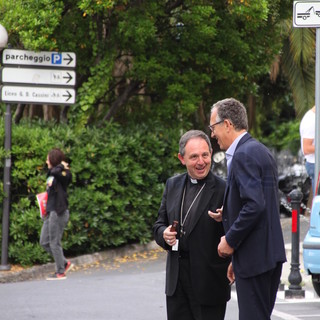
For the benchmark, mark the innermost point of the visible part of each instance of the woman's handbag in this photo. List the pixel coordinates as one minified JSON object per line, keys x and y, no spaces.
{"x":42,"y":201}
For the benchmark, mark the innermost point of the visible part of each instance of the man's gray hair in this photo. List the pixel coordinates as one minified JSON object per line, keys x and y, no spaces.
{"x":190,"y":135}
{"x":234,"y":111}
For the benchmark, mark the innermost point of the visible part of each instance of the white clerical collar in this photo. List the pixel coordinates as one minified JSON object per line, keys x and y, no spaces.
{"x":193,"y":181}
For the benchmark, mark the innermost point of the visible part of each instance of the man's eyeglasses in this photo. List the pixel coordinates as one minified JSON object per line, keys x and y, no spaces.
{"x":211,"y":127}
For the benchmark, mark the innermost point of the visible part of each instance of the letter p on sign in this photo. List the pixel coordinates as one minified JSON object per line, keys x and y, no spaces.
{"x":56,"y":58}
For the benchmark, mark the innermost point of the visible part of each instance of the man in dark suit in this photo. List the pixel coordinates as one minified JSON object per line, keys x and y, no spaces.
{"x":197,"y":287}
{"x":250,"y":212}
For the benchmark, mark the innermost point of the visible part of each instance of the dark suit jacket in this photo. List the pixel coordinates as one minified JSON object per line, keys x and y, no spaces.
{"x":251,"y":216}
{"x":208,"y":270}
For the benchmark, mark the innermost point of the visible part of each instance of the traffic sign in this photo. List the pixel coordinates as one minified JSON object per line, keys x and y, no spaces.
{"x":49,"y":77}
{"x":306,"y":14}
{"x":37,"y":95}
{"x":38,"y":76}
{"x":40,"y":59}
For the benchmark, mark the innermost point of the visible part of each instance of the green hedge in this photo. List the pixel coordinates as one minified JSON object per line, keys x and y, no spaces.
{"x":118,"y":180}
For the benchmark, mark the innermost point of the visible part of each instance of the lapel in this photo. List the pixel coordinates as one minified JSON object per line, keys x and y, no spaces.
{"x":202,"y":201}
{"x":177,"y":197}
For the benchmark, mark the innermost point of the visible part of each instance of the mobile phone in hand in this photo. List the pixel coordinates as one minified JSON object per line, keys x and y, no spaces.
{"x":173,"y":229}
{"x":174,"y":226}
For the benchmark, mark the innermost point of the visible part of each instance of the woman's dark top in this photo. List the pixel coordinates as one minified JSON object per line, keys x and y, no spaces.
{"x":57,"y":192}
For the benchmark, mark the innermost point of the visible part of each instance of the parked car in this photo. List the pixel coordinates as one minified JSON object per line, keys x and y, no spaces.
{"x":311,"y":246}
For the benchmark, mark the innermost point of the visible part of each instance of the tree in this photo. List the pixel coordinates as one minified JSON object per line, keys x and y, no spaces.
{"x":297,"y":62}
{"x":152,"y":61}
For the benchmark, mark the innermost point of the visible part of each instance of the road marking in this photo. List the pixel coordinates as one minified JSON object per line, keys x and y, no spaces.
{"x":311,"y":316}
{"x":283,"y":315}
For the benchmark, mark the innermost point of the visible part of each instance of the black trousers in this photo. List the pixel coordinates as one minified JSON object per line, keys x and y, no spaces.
{"x":183,"y":305}
{"x":257,"y":295}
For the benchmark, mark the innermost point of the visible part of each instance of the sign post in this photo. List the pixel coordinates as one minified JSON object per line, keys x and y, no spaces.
{"x":32,"y":78}
{"x":306,"y":14}
{"x":6,"y":190}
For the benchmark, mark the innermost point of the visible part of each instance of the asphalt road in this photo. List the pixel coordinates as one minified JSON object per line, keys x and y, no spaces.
{"x":129,"y":286}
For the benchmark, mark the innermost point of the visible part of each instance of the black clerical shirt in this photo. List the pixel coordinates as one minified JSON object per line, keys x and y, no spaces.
{"x":191,"y":191}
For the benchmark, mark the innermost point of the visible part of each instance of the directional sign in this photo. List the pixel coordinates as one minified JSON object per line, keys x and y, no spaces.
{"x":40,"y":59}
{"x":38,"y":76}
{"x":49,"y":77}
{"x":306,"y":14}
{"x":37,"y":95}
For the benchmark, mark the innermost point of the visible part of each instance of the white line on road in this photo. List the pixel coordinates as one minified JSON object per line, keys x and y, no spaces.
{"x":283,"y":315}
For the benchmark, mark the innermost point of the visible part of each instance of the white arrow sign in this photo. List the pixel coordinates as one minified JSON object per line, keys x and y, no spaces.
{"x":38,"y":76}
{"x":40,"y":59}
{"x":306,"y":14}
{"x":37,"y":95}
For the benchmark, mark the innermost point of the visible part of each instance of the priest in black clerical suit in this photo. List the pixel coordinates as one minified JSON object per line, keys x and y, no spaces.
{"x":197,"y":287}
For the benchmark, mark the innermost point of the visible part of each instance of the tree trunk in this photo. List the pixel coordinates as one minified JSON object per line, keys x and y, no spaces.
{"x":46,"y":113}
{"x":251,"y":111}
{"x":19,"y":113}
{"x":64,"y":114}
{"x":202,"y":116}
{"x":31,"y":111}
{"x":122,"y":99}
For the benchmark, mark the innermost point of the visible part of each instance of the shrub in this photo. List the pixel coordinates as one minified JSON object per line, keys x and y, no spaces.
{"x":118,"y":179}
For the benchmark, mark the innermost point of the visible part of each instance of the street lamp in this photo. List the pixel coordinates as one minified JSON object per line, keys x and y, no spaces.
{"x":6,"y":176}
{"x":3,"y":37}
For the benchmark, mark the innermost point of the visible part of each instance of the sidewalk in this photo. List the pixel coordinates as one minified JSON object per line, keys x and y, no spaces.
{"x":306,"y":283}
{"x":42,"y":271}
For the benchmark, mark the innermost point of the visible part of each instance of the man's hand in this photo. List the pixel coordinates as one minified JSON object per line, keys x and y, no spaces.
{"x":224,"y":250}
{"x":216,"y":215}
{"x":169,"y":236}
{"x":230,"y":274}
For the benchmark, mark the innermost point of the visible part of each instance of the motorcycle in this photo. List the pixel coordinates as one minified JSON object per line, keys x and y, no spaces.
{"x":219,"y":166}
{"x":289,"y":182}
{"x":293,"y":176}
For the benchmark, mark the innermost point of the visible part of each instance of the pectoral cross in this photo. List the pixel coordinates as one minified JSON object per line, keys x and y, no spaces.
{"x":182,"y":232}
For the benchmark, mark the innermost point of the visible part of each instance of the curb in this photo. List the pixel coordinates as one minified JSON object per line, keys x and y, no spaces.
{"x":41,"y":271}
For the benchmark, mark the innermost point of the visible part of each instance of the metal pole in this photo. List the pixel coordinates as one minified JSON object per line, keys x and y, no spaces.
{"x":6,"y":189}
{"x":317,"y":97}
{"x":295,"y":290}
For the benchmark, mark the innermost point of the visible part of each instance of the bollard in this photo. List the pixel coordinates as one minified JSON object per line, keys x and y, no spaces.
{"x":295,"y":290}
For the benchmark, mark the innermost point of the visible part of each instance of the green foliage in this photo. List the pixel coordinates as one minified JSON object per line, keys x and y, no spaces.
{"x":95,"y":88}
{"x":284,"y":136}
{"x":159,"y":64}
{"x":118,"y":179}
{"x":153,"y":60}
{"x":33,"y":22}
